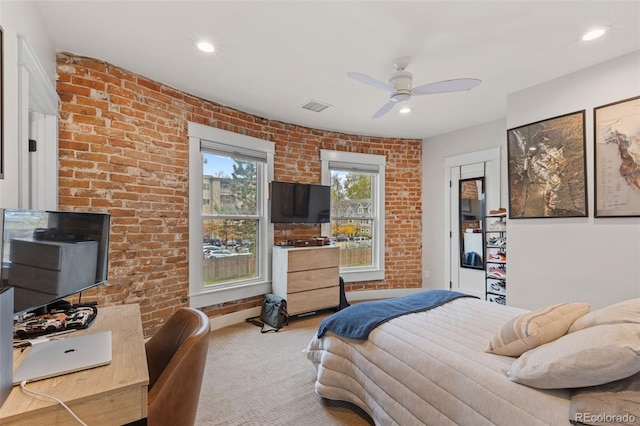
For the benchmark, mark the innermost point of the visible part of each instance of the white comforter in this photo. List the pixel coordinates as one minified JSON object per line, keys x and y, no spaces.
{"x":430,"y":368}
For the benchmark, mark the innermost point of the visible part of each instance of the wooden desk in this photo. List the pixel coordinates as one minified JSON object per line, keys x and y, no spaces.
{"x":113,"y":394}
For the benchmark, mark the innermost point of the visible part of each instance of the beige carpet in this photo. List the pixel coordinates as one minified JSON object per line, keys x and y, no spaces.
{"x":265,"y":379}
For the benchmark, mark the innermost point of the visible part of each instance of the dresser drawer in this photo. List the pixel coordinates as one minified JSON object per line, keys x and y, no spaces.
{"x":313,"y":279}
{"x":313,"y":258}
{"x":313,"y":300}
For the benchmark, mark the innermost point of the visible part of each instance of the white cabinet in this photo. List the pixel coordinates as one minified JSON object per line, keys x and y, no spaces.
{"x":308,"y":277}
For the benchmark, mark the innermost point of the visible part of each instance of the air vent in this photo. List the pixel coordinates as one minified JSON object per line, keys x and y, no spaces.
{"x":315,"y":106}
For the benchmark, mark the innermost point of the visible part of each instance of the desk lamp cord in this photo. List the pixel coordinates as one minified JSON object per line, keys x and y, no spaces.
{"x":29,"y":391}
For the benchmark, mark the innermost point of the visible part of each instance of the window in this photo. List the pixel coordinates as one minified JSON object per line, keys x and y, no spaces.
{"x":357,"y":212}
{"x":229,"y":234}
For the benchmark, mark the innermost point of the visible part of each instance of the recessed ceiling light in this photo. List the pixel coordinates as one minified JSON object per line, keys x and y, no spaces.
{"x":594,"y":34}
{"x":205,"y":46}
{"x":405,"y":110}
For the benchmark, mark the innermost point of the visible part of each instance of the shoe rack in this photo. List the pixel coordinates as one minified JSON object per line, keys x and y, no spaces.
{"x":495,"y":254}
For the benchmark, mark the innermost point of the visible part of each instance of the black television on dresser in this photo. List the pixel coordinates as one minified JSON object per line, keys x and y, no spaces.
{"x":293,"y":202}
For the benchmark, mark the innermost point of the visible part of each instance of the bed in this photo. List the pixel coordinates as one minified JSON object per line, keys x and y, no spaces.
{"x":430,"y":367}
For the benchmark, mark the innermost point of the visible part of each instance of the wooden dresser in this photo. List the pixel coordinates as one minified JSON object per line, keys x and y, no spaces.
{"x":308,"y":277}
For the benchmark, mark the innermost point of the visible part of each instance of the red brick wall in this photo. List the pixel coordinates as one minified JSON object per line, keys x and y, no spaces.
{"x":469,"y":190}
{"x":124,"y":151}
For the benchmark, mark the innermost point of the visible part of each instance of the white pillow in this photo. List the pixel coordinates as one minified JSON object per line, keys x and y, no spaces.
{"x":627,"y":311}
{"x":588,"y":357}
{"x":535,"y":328}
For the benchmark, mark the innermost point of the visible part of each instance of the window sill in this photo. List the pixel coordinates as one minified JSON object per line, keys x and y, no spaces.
{"x":362,"y":275}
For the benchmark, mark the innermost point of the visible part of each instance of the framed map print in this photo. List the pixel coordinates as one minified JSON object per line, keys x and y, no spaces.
{"x":547,"y":168}
{"x":617,"y":158}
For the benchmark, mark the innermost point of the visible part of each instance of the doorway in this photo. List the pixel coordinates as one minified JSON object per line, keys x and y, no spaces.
{"x":483,"y":165}
{"x":37,"y":133}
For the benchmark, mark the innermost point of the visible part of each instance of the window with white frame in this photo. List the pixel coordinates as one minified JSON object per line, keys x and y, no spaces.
{"x":229,"y":232}
{"x":357,"y":212}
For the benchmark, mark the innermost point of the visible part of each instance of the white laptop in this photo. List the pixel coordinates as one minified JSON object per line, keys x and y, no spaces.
{"x":63,"y":356}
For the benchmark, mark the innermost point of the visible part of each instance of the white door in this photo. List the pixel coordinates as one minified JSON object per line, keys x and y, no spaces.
{"x":41,"y":162}
{"x":467,"y":166}
{"x":465,"y":280}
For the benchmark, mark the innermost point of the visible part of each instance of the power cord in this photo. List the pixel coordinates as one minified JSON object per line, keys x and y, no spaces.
{"x":22,"y":346}
{"x":32,"y":392}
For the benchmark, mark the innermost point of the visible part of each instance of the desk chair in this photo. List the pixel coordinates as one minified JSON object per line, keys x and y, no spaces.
{"x":176,"y":356}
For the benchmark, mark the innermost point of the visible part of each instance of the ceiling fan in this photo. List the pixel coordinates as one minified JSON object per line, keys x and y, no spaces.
{"x":400,"y":85}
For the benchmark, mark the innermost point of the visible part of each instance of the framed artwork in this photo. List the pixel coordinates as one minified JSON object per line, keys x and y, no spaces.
{"x":547,"y":168}
{"x":1,"y":104}
{"x":616,"y":139}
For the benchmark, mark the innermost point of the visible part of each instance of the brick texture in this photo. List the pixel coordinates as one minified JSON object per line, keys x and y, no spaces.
{"x":123,"y":150}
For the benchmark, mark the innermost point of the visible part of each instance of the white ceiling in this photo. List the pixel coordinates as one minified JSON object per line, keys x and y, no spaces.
{"x":274,"y":56}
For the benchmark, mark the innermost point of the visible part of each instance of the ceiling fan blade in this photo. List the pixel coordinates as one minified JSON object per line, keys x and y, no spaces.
{"x":455,"y":85}
{"x":385,"y":109}
{"x":362,"y":78}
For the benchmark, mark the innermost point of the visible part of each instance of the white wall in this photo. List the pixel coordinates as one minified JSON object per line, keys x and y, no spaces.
{"x":19,"y":17}
{"x":434,"y":152}
{"x":549,"y":260}
{"x":574,"y":259}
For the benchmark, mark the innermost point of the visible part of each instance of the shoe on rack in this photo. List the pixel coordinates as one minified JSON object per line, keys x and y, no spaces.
{"x":498,"y":226}
{"x":497,"y":273}
{"x":500,"y":212}
{"x":497,"y":257}
{"x":497,"y":286}
{"x":496,"y":242}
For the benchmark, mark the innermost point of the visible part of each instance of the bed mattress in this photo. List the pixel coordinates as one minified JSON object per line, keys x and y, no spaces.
{"x":430,"y":368}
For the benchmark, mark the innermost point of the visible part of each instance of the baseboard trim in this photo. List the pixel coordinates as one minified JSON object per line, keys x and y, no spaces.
{"x":233,"y":318}
{"x":352,"y":296}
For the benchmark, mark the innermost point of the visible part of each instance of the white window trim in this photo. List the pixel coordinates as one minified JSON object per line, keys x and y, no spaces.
{"x":366,"y":162}
{"x":199,"y":295}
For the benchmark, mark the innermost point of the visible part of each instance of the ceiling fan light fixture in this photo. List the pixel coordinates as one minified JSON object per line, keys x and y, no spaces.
{"x":205,"y":46}
{"x":405,"y":110}
{"x":594,"y":34}
{"x":400,"y":97}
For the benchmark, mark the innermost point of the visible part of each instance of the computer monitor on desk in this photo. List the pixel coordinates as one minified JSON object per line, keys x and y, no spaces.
{"x":50,"y":255}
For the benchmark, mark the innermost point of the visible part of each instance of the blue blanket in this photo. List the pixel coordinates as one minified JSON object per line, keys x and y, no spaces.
{"x":358,"y":320}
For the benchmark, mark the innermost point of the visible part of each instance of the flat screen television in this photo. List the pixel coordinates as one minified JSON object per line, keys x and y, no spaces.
{"x":300,"y":203}
{"x":50,"y":255}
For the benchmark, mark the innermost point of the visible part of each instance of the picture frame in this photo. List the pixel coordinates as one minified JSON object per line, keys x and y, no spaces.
{"x":547,"y":168}
{"x":1,"y":103}
{"x":616,"y":156}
